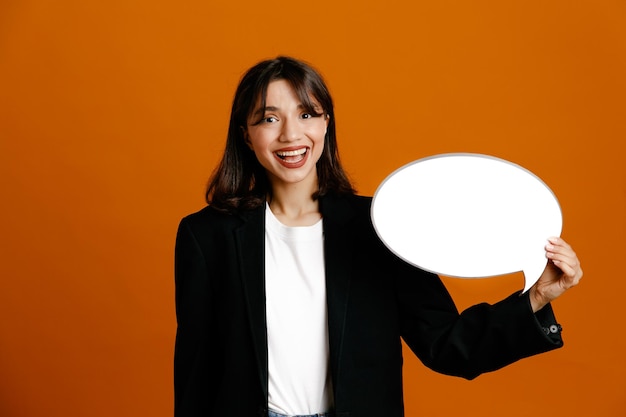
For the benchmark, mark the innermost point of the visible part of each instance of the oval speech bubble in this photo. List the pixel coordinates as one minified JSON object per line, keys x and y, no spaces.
{"x":467,"y":216}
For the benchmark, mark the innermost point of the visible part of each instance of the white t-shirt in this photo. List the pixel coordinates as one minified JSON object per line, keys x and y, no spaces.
{"x":297,"y":318}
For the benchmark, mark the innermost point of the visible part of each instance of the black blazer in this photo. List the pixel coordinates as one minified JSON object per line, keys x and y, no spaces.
{"x":374,"y":299}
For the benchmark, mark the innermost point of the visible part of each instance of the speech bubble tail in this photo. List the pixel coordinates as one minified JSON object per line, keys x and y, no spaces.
{"x":532,"y":273}
{"x":527,"y":286}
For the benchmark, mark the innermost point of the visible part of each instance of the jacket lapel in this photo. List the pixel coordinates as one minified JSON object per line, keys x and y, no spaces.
{"x":338,"y":253}
{"x":250,"y":241}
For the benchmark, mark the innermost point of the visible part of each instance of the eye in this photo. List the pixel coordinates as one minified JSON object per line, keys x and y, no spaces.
{"x":269,"y":119}
{"x":311,"y":113}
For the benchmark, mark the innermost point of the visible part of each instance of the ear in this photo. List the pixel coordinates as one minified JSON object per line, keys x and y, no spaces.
{"x":246,"y":138}
{"x":327,"y":120}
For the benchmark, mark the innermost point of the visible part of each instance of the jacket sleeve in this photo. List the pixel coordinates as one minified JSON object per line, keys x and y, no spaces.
{"x":192,"y":383}
{"x":482,"y":338}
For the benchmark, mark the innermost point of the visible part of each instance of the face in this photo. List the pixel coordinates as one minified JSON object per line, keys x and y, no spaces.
{"x":287,"y":139}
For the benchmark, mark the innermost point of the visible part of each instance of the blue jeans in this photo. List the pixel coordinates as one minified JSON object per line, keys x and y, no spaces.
{"x":271,"y":413}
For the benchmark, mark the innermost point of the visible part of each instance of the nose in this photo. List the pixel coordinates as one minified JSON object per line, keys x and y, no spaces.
{"x":290,"y":130}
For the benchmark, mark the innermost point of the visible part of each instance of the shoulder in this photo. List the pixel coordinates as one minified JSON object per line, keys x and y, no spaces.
{"x":207,"y":215}
{"x":344,"y":208}
{"x":213,"y":232}
{"x":210,"y":221}
{"x":360,"y":202}
{"x":349,"y":214}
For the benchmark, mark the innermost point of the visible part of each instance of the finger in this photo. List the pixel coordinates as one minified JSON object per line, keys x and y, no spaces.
{"x":558,"y":242}
{"x":558,"y":245}
{"x":564,"y":256}
{"x":566,"y":269}
{"x":571,"y":271}
{"x":569,"y":279}
{"x":564,"y":260}
{"x":560,"y":250}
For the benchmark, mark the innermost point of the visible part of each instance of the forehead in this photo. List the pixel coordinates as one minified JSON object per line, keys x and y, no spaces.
{"x":282,"y":90}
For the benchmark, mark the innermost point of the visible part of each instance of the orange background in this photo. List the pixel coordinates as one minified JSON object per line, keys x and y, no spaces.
{"x":113,"y":114}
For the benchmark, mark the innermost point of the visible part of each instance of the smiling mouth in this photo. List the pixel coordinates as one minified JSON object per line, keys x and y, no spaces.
{"x":292,"y":156}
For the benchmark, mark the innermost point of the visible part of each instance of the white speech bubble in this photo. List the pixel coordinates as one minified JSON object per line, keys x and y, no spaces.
{"x":467,"y":216}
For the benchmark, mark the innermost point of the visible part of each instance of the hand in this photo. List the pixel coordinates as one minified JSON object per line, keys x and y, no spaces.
{"x":562,"y":273}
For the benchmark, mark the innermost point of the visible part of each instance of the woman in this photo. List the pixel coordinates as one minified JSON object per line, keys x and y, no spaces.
{"x":287,"y":302}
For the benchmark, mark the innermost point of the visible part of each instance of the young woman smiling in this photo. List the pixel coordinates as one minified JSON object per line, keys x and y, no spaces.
{"x":287,"y":302}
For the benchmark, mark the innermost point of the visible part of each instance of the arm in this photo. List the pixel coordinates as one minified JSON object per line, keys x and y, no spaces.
{"x":484,"y":337}
{"x":192,"y":384}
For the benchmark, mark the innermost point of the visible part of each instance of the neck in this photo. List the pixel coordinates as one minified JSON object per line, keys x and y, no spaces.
{"x":294,"y":205}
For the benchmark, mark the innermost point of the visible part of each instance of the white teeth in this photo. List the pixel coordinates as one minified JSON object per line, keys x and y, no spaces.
{"x":291,"y":153}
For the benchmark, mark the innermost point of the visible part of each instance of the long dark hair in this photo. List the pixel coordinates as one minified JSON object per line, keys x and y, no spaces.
{"x":240,"y":182}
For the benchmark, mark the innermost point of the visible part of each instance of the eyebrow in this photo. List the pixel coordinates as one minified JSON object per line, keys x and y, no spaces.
{"x":261,"y":111}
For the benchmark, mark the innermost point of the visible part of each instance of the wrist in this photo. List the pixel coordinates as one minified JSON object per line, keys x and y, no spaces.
{"x":537,"y":300}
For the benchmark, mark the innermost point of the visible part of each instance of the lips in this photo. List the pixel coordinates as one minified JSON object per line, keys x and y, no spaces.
{"x":292,"y":158}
